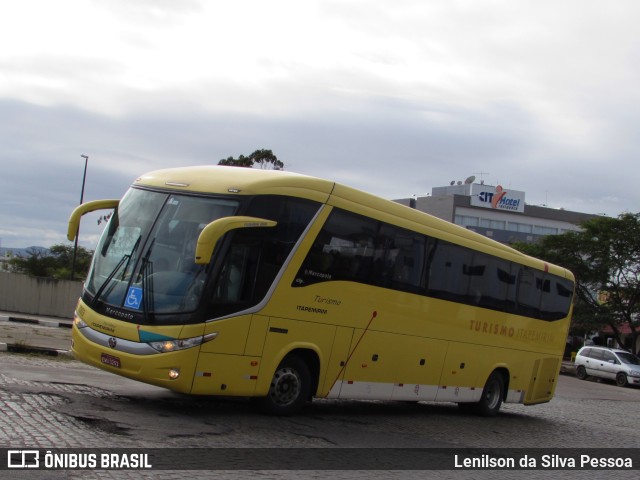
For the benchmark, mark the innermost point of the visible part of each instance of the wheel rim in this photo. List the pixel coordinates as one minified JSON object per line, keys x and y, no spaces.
{"x":286,"y":387}
{"x":492,"y":394}
{"x":622,"y":379}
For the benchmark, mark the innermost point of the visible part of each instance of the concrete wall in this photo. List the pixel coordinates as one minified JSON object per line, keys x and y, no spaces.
{"x":38,"y":296}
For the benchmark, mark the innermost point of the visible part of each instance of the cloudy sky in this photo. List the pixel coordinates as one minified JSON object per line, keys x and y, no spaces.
{"x":393,"y":97}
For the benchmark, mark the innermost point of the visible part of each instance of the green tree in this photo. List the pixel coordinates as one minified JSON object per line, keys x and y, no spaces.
{"x":37,"y":263}
{"x":53,"y":263}
{"x":241,"y":161}
{"x":605,"y":258}
{"x":265,"y":159}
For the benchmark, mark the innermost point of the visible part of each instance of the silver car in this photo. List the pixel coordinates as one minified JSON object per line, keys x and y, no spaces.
{"x":609,"y":363}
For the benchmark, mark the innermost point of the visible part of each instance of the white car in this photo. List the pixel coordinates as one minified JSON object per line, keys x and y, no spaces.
{"x":609,"y":363}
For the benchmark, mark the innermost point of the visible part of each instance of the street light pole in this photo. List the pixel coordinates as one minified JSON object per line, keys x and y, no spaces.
{"x":75,"y":245}
{"x":84,"y":177}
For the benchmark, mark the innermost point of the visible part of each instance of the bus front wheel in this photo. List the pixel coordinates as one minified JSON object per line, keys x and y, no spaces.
{"x":289,"y":390}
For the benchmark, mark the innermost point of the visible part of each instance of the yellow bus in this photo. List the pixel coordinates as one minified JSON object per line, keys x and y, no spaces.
{"x":284,"y":287}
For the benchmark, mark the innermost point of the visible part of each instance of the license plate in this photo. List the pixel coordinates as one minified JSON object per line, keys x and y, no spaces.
{"x":110,"y":360}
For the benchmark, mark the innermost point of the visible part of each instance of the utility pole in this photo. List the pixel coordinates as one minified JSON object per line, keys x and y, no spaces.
{"x":75,"y":245}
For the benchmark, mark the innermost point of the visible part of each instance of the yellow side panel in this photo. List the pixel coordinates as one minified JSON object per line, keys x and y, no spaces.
{"x":257,"y":334}
{"x":543,"y":380}
{"x":218,"y":374}
{"x":388,"y":361}
{"x":465,"y":365}
{"x":337,"y":360}
{"x":419,"y":360}
{"x":232,"y":335}
{"x":285,"y":335}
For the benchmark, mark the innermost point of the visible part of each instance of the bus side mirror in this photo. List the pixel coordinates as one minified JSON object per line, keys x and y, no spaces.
{"x":216,"y":229}
{"x":74,"y":219}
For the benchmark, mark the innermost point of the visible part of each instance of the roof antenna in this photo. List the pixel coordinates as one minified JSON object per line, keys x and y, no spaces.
{"x":481,"y":176}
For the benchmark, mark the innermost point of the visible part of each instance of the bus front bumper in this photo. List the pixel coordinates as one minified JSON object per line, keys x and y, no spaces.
{"x":138,"y":361}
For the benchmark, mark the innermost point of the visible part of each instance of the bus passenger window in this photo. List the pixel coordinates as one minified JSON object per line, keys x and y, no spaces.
{"x":256,"y":255}
{"x":447,"y":278}
{"x":556,"y":301}
{"x":356,"y":248}
{"x":529,"y":292}
{"x":344,"y":250}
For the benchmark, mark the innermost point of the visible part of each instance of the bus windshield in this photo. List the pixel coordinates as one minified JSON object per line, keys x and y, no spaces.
{"x":145,"y":258}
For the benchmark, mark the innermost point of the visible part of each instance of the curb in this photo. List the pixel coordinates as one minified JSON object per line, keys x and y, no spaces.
{"x":37,"y":321}
{"x":567,"y":368}
{"x":43,"y":322}
{"x":51,"y":352}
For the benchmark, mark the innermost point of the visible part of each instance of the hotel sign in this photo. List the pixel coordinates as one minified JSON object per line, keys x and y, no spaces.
{"x":497,"y":198}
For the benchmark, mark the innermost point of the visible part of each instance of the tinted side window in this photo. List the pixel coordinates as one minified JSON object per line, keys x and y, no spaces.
{"x":542,"y":295}
{"x":492,"y":282}
{"x":528,"y":295}
{"x":345,"y":249}
{"x":555,"y":300}
{"x":355,"y":248}
{"x":403,"y":252}
{"x":596,"y":353}
{"x":255,"y":255}
{"x":352,"y":247}
{"x":450,"y":270}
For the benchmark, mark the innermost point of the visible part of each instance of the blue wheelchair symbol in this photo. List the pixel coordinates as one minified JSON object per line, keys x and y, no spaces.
{"x":134,"y":298}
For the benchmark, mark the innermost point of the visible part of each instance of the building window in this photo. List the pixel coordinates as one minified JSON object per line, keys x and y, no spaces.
{"x":494,"y":224}
{"x":519,"y":227}
{"x":539,"y":230}
{"x":466,"y":221}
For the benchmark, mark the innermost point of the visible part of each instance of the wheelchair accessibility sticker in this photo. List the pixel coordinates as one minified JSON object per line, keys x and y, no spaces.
{"x":134,"y":298}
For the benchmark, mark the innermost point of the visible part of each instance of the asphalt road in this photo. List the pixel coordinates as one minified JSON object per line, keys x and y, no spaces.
{"x":56,"y":402}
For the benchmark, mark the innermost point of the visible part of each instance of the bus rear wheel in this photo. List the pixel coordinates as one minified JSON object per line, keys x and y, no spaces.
{"x":289,"y":390}
{"x":491,"y":400}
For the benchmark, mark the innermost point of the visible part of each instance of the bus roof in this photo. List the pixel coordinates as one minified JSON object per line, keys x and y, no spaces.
{"x":240,"y":181}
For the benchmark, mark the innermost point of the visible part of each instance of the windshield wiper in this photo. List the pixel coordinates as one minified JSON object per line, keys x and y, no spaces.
{"x":108,"y":282}
{"x":148,"y":305}
{"x":111,"y":229}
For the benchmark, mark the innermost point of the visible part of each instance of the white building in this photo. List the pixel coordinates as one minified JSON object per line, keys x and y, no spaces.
{"x":495,"y":212}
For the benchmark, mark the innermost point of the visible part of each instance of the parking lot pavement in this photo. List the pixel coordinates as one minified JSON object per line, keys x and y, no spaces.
{"x":19,"y":332}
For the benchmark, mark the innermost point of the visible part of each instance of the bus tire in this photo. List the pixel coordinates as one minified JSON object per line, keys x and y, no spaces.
{"x":492,"y":395}
{"x":289,"y":390}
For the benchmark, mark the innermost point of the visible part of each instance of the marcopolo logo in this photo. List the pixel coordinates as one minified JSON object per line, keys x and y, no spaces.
{"x":500,"y":199}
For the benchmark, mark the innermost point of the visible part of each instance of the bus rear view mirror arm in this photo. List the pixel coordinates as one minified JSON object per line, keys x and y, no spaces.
{"x":74,"y":219}
{"x":216,"y":229}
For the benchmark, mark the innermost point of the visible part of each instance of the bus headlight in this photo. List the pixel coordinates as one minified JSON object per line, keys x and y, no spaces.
{"x":165,"y":346}
{"x":78,"y":322}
